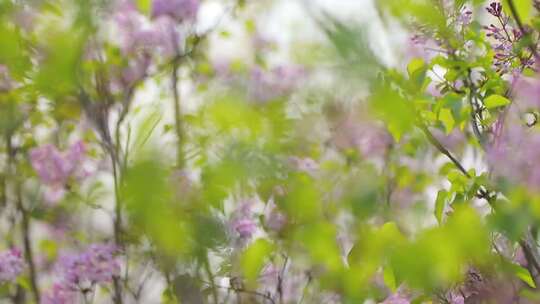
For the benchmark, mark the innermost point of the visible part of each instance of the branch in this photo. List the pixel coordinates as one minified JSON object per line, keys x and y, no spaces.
{"x":434,"y":141}
{"x":519,"y":23}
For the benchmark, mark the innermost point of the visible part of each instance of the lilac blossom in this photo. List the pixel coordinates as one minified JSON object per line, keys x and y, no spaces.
{"x":504,"y":37}
{"x":140,"y":39}
{"x":55,"y":168}
{"x":11,"y":265}
{"x":527,"y":92}
{"x":274,"y":219}
{"x":58,"y":295}
{"x":368,"y":137}
{"x":514,"y":153}
{"x":243,"y":220}
{"x":304,"y":164}
{"x":399,"y":297}
{"x":291,"y":281}
{"x":179,"y":10}
{"x":276,"y":83}
{"x":465,"y":17}
{"x":96,"y":265}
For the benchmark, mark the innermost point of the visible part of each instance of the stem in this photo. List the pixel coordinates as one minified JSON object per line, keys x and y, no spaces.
{"x":434,"y":141}
{"x":255,"y":293}
{"x":28,"y":254}
{"x":25,"y":224}
{"x":208,"y":270}
{"x":177,"y":114}
{"x":519,"y":23}
{"x":280,"y":280}
{"x":117,"y":297}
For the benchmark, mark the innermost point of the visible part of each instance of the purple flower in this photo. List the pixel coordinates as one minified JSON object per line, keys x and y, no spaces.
{"x":179,"y":10}
{"x":465,"y":17}
{"x":140,"y":40}
{"x":397,"y":298}
{"x":495,"y":9}
{"x":368,"y":137}
{"x":304,"y":164}
{"x":245,"y":227}
{"x":504,"y":38}
{"x":274,"y":219}
{"x":55,"y":168}
{"x":11,"y":265}
{"x":58,"y":295}
{"x":514,"y":152}
{"x":243,"y":220}
{"x":278,"y":82}
{"x":96,"y":265}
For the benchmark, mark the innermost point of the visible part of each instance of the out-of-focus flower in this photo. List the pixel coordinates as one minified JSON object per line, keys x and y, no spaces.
{"x":140,"y":40}
{"x":179,"y":10}
{"x":276,"y":83}
{"x":527,"y":92}
{"x":245,"y":227}
{"x":58,"y":295}
{"x":451,"y":141}
{"x":514,"y":153}
{"x":96,"y":265}
{"x":304,"y":164}
{"x":291,"y":282}
{"x":398,"y":297}
{"x":243,"y":220}
{"x":11,"y":265}
{"x":274,"y":219}
{"x":55,"y":168}
{"x":465,"y":17}
{"x":368,"y":137}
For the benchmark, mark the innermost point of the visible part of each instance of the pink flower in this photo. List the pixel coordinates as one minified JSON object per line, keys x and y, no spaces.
{"x":397,"y":298}
{"x":11,"y":265}
{"x":368,"y":137}
{"x":276,"y":83}
{"x":305,"y":164}
{"x":273,"y":218}
{"x":179,"y":10}
{"x":96,"y":265}
{"x":55,"y":168}
{"x":245,"y":227}
{"x":58,"y":295}
{"x":243,"y":220}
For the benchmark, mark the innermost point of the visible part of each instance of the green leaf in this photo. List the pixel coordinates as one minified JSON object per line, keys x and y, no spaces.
{"x":495,"y":101}
{"x":446,"y":117}
{"x":389,"y":278}
{"x":144,"y":6}
{"x":415,"y":65}
{"x":442,"y":195}
{"x":523,"y":8}
{"x":523,"y":274}
{"x":254,"y":258}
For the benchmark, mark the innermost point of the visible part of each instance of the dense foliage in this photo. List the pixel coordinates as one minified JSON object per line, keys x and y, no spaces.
{"x":141,"y":163}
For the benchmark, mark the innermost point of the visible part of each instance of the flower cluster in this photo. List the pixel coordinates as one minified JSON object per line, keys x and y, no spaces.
{"x":243,"y":220}
{"x":505,"y":37}
{"x":141,"y":39}
{"x":56,"y":168}
{"x":180,"y":10}
{"x":80,"y":272}
{"x":96,"y":265}
{"x":11,"y":265}
{"x":278,"y":82}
